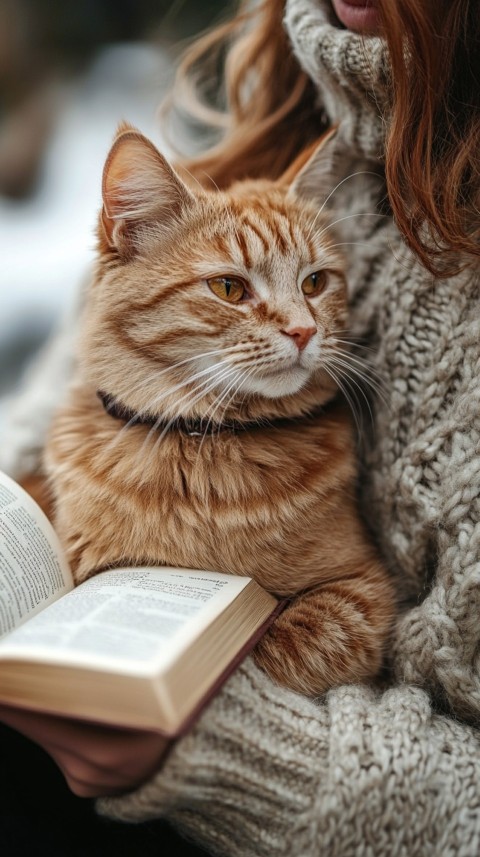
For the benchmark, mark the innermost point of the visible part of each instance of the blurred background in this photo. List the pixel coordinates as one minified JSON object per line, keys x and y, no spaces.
{"x":70,"y":70}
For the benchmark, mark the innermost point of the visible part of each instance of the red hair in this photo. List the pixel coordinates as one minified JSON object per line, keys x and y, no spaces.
{"x":432,"y":159}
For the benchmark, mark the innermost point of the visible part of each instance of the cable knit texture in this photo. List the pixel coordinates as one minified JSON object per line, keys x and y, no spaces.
{"x":356,"y":774}
{"x":351,"y":73}
{"x":267,"y":772}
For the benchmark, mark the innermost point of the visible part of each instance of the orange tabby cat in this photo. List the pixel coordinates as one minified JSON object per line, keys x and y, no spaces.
{"x":203,"y":428}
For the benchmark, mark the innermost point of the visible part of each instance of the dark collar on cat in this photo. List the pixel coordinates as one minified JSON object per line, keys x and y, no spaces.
{"x":199,"y":427}
{"x":193,"y":427}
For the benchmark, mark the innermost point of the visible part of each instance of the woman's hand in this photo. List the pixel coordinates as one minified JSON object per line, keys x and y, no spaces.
{"x":95,"y":760}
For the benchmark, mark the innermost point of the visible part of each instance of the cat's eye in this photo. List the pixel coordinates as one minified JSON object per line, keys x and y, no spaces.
{"x":231,"y":289}
{"x":314,"y":284}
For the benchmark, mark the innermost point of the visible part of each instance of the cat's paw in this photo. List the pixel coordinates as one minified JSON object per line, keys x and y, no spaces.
{"x":290,"y":653}
{"x":323,"y":639}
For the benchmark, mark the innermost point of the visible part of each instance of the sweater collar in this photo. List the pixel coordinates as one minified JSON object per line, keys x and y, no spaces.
{"x":350,"y":71}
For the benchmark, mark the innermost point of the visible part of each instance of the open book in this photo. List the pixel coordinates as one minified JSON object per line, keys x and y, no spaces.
{"x":132,"y":647}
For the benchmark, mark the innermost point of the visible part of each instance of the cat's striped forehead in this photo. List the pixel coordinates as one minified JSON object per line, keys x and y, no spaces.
{"x":264,"y":236}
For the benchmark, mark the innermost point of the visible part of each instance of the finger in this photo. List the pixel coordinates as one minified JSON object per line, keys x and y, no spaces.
{"x":86,"y":780}
{"x":116,"y":769}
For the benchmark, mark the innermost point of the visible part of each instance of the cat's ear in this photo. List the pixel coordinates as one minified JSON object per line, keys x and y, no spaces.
{"x":139,"y":187}
{"x":312,"y":175}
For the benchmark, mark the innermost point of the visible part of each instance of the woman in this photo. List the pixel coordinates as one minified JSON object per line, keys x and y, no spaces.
{"x":359,"y":772}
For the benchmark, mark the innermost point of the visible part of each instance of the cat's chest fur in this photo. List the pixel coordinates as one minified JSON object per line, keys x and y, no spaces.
{"x":261,"y":502}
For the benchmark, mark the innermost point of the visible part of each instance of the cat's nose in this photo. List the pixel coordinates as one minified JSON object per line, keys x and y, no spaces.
{"x":300,"y":335}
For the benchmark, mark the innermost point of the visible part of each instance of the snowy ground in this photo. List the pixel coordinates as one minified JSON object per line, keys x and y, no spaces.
{"x":46,"y":243}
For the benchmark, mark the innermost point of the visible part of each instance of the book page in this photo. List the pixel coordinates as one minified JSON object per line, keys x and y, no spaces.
{"x":126,"y":619}
{"x":33,"y":570}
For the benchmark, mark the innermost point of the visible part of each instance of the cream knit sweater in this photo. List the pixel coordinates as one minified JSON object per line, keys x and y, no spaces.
{"x":359,"y":773}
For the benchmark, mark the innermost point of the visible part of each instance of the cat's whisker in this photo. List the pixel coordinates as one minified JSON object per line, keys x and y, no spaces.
{"x":354,"y":386}
{"x":357,"y":416}
{"x":226,"y":350}
{"x":348,"y":244}
{"x":342,"y":360}
{"x":266,"y":360}
{"x":352,"y":343}
{"x":191,"y":401}
{"x":347,"y":217}
{"x":245,"y":394}
{"x":212,"y":180}
{"x":219,"y":399}
{"x":202,"y":389}
{"x":360,"y":373}
{"x":192,"y":176}
{"x":237,"y":384}
{"x":190,"y":380}
{"x":165,"y":393}
{"x":238,"y":376}
{"x":353,"y":371}
{"x":172,"y":367}
{"x":248,"y":360}
{"x":242,"y":376}
{"x":370,"y":371}
{"x":346,"y":179}
{"x":153,"y":403}
{"x":197,"y":398}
